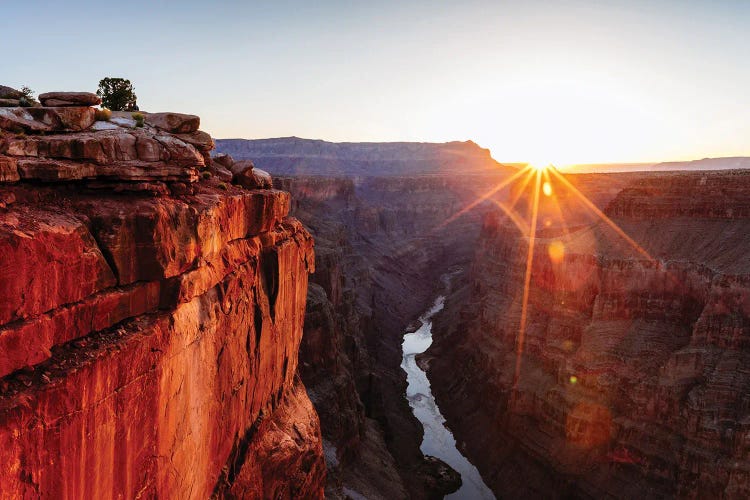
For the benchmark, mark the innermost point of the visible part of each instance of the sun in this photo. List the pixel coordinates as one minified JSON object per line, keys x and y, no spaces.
{"x":539,"y":167}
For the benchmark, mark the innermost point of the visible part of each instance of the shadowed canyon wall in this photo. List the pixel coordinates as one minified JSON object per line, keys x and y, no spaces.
{"x":633,"y":378}
{"x":383,"y":219}
{"x":151,"y":313}
{"x":381,"y":245}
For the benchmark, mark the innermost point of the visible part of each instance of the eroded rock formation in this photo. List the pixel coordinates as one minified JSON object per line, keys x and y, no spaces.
{"x":381,"y":245}
{"x":633,"y":379}
{"x":150,"y":315}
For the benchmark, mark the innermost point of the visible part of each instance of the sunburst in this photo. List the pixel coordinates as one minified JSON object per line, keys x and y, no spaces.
{"x":547,"y":182}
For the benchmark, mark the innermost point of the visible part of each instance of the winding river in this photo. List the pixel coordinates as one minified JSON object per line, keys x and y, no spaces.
{"x":438,"y":441}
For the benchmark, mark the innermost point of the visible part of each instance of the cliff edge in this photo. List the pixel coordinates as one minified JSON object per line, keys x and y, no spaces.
{"x":151,"y":309}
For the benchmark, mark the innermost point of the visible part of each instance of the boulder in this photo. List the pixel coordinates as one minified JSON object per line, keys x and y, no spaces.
{"x":70,"y":118}
{"x":9,"y":93}
{"x":63,"y":99}
{"x":240,"y":166}
{"x":224,"y":160}
{"x":253,"y":178}
{"x":19,"y":119}
{"x":221,"y":173}
{"x":38,"y":119}
{"x":9,"y":103}
{"x":199,"y":139}
{"x":176,"y":123}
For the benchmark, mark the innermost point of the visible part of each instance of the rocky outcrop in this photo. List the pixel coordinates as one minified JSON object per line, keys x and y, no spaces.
{"x":150,"y":320}
{"x":632,"y":379}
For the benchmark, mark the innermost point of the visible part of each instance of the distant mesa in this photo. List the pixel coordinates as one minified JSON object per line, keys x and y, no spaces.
{"x":296,"y":156}
{"x":726,"y":163}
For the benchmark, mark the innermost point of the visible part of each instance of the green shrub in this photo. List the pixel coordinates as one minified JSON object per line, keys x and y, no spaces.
{"x":138,"y":117}
{"x":103,"y":115}
{"x":206,"y":174}
{"x":117,"y":94}
{"x":223,"y":186}
{"x":27,"y":98}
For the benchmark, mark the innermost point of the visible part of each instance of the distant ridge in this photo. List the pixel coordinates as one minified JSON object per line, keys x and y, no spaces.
{"x":294,"y":155}
{"x":726,"y":163}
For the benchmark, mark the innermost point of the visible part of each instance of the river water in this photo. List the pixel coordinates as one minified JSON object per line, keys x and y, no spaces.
{"x":438,"y":440}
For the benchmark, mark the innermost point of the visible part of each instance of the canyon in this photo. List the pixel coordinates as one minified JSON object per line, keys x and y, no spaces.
{"x":622,"y":353}
{"x":632,"y":376}
{"x":180,"y":320}
{"x":381,"y":247}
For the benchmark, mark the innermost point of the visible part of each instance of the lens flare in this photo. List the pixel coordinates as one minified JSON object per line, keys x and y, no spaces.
{"x":556,"y":251}
{"x":545,"y":176}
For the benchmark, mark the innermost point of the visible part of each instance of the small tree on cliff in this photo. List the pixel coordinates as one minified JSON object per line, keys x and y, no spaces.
{"x":117,"y":94}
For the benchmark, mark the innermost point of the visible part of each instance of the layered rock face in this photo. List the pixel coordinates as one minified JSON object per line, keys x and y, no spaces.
{"x":150,"y":318}
{"x":632,"y":379}
{"x":381,"y":245}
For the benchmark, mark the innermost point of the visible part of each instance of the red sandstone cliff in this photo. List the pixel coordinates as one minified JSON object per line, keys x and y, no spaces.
{"x":634,"y":378}
{"x":150,"y":316}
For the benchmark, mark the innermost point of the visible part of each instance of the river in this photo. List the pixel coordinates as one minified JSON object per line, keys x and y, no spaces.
{"x":438,"y":441}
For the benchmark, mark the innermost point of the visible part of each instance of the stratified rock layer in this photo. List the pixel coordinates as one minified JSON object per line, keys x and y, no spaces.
{"x":381,"y":245}
{"x":149,"y":325}
{"x":633,"y":377}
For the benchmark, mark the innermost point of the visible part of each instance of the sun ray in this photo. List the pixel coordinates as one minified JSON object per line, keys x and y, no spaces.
{"x":556,"y":203}
{"x":483,"y":197}
{"x":602,"y":216}
{"x":526,"y":285}
{"x":521,"y":189}
{"x":513,"y":216}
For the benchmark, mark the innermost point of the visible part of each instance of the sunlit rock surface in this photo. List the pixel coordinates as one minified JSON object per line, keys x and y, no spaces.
{"x":150,"y":320}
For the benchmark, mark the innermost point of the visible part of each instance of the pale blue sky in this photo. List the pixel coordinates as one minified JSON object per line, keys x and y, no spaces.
{"x":563,"y":81}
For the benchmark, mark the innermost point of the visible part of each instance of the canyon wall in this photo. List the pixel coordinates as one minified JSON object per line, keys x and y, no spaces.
{"x":381,"y":245}
{"x":151,"y":310}
{"x":632,"y":378}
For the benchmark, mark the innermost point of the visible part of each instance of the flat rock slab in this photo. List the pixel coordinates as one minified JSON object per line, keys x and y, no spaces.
{"x":71,"y":118}
{"x":177,"y":123}
{"x":62,"y":99}
{"x":19,"y":119}
{"x":45,"y":119}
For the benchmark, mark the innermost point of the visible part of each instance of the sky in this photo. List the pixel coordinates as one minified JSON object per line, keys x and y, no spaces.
{"x":542,"y":81}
